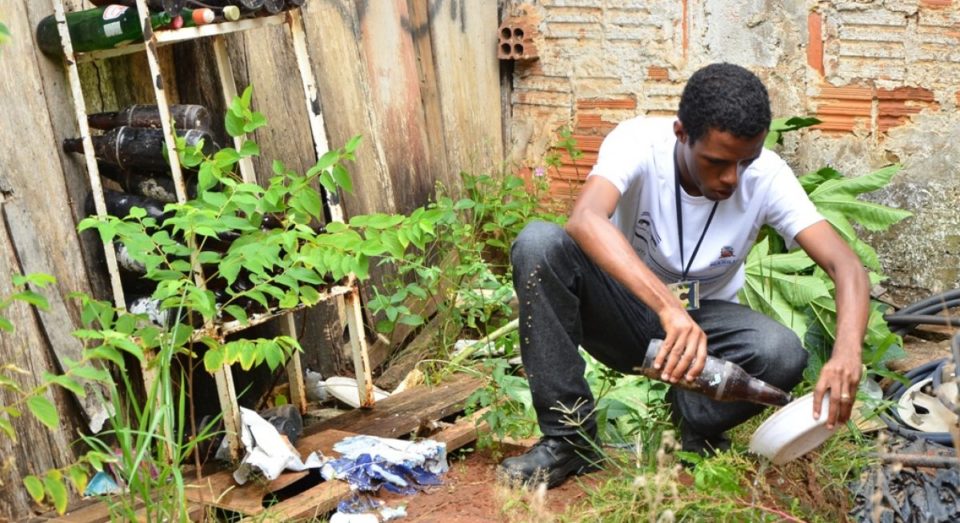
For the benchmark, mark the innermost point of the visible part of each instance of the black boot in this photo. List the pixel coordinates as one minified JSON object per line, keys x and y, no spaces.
{"x":552,"y":460}
{"x":704,"y":445}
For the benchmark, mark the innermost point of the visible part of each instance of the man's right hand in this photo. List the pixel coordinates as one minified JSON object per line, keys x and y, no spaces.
{"x":684,"y":347}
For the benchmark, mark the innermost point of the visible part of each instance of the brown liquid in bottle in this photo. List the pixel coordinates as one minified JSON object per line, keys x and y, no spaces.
{"x":720,"y":380}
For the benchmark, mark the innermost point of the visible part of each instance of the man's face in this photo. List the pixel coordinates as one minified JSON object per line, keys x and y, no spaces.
{"x":712,"y":166}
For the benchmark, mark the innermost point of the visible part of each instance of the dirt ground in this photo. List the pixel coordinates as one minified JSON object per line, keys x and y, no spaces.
{"x":470,"y":493}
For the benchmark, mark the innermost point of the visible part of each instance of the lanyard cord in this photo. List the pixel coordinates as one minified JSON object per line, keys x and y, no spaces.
{"x":676,"y":184}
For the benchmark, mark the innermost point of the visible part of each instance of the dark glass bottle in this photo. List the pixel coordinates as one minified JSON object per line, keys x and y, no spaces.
{"x":720,"y":380}
{"x":99,"y":28}
{"x":274,"y":6}
{"x":138,"y":148}
{"x":158,"y":186}
{"x":185,"y":116}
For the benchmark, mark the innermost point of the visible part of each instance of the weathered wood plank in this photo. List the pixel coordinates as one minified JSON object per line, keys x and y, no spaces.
{"x":37,"y":209}
{"x":464,"y":49}
{"x":419,"y":27}
{"x":396,"y":105}
{"x":404,"y":412}
{"x":36,"y":449}
{"x":56,"y":94}
{"x":332,"y":35}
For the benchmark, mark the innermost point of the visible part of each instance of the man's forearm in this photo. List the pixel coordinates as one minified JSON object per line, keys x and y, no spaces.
{"x":606,"y":246}
{"x":853,"y":306}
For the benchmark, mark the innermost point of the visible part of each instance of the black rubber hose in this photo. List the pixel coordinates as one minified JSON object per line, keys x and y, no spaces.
{"x":924,"y":319}
{"x":936,"y":299}
{"x":934,"y":306}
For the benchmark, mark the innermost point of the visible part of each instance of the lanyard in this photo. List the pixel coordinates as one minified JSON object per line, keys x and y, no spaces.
{"x":676,"y":183}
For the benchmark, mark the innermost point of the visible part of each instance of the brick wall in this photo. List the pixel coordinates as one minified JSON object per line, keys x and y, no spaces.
{"x":865,"y":68}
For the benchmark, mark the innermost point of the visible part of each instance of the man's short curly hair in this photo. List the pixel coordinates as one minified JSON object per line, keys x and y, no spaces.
{"x":725,"y":97}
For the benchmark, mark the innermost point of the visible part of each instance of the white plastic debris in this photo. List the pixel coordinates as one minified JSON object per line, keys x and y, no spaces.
{"x":268,"y":453}
{"x":346,"y":390}
{"x":313,"y":383}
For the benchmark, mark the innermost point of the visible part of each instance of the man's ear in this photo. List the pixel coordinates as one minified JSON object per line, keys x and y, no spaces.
{"x":679,"y":131}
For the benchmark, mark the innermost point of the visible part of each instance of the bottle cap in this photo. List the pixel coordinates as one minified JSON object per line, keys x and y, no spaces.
{"x":231,"y":13}
{"x":203,"y":16}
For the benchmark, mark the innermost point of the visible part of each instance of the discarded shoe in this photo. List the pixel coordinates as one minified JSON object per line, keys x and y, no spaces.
{"x":552,"y":460}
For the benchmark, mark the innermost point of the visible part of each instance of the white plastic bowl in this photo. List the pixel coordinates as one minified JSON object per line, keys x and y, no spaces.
{"x":791,"y":432}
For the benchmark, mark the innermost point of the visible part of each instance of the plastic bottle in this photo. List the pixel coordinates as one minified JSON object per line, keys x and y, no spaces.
{"x":720,"y":380}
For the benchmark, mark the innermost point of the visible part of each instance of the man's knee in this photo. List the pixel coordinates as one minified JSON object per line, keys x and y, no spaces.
{"x":786,"y":357}
{"x":539,"y":241}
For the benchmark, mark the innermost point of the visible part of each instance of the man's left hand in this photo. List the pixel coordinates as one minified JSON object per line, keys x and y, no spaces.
{"x":841,"y":378}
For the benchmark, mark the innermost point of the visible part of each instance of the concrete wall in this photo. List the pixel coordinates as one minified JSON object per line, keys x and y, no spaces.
{"x":881,"y":74}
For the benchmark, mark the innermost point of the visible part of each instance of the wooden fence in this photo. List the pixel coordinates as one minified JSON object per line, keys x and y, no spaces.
{"x":417,"y":78}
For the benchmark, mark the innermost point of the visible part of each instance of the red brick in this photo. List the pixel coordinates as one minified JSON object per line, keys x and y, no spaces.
{"x":936,"y":4}
{"x":658,"y":74}
{"x":815,"y":43}
{"x":628,"y":102}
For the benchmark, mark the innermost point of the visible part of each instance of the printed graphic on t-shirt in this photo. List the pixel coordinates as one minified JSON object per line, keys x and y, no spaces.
{"x":727,"y":257}
{"x":645,"y":237}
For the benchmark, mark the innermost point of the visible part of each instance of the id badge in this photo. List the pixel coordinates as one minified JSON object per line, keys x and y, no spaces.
{"x":688,"y":292}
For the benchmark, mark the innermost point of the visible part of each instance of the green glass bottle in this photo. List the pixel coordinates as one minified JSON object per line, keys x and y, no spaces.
{"x":93,"y":29}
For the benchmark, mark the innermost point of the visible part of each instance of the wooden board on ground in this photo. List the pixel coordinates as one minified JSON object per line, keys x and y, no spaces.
{"x":396,"y":416}
{"x":405,"y":412}
{"x":221,"y":491}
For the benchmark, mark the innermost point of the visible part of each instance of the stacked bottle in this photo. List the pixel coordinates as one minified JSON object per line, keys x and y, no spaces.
{"x":114,"y":25}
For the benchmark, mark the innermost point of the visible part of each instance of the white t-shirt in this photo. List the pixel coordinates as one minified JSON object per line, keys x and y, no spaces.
{"x":637,"y":157}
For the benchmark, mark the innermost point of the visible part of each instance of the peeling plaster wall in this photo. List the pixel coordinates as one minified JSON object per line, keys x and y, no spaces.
{"x":880,"y":74}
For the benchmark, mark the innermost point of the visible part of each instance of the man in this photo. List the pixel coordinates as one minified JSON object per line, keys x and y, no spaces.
{"x":672,"y":207}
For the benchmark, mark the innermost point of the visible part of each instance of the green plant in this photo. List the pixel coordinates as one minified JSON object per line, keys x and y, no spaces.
{"x":212,"y":241}
{"x":4,"y":33}
{"x":789,"y":287}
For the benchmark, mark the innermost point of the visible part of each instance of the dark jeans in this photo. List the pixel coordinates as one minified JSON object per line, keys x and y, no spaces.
{"x":566,"y":301}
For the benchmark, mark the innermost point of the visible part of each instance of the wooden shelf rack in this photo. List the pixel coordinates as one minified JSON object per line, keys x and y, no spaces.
{"x":346,"y":296}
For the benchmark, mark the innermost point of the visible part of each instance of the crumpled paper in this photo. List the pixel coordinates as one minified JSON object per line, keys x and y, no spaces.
{"x":268,"y":453}
{"x":404,"y":467}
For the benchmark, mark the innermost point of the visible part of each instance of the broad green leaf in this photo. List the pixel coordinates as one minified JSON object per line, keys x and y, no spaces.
{"x":78,"y":477}
{"x":55,"y":488}
{"x":249,"y":148}
{"x":7,"y":428}
{"x":872,"y":216}
{"x":90,"y":373}
{"x":233,"y":124}
{"x":37,"y":278}
{"x":34,"y":487}
{"x":66,"y":382}
{"x":352,"y":144}
{"x":237,"y":312}
{"x":272,"y":354}
{"x":213,"y":360}
{"x":5,"y":324}
{"x":37,"y":300}
{"x":342,"y":177}
{"x":867,"y":255}
{"x":44,"y":410}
